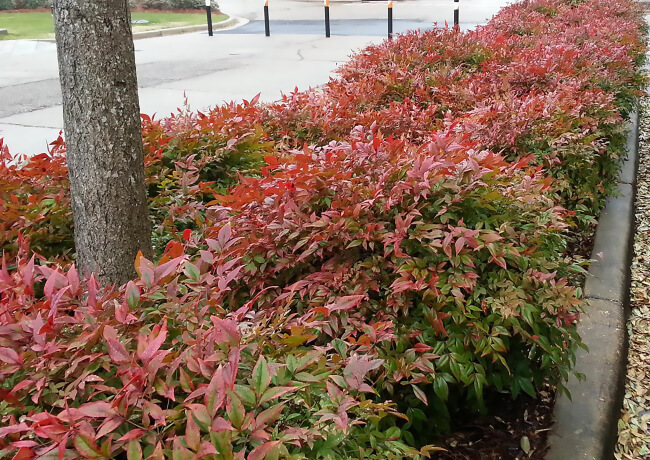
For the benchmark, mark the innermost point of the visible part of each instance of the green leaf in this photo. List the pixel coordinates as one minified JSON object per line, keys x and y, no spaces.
{"x":261,"y":376}
{"x":86,"y":447}
{"x":192,"y":272}
{"x":236,"y":411}
{"x":132,"y":294}
{"x":246,"y":394}
{"x":222,"y":441}
{"x":133,"y":450}
{"x":527,"y":386}
{"x":441,"y":388}
{"x":201,"y":417}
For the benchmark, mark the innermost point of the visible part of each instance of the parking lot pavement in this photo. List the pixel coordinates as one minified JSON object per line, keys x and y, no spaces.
{"x":206,"y":71}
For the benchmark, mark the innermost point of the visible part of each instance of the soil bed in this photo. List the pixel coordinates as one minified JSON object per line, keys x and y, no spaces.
{"x":512,"y":427}
{"x":634,"y":425}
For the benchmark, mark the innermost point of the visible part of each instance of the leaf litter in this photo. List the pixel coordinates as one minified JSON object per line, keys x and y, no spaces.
{"x":634,"y":424}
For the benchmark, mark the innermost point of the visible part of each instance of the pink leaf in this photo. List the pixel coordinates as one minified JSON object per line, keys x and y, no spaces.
{"x":260,"y":452}
{"x":109,"y":426}
{"x":357,"y":368}
{"x":133,"y":434}
{"x":20,"y":428}
{"x":9,"y":356}
{"x":97,"y":409}
{"x":155,"y":344}
{"x":420,"y":395}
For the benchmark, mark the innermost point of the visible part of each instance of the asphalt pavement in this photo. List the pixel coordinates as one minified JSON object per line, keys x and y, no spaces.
{"x":234,"y":64}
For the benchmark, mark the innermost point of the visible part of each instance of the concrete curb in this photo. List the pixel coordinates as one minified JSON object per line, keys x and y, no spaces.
{"x":231,"y":23}
{"x":586,"y":426}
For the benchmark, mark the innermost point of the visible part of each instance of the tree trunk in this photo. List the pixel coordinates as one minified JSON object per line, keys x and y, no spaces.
{"x":101,"y":115}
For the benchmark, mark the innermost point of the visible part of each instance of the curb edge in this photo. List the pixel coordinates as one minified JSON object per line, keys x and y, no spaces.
{"x":586,"y":425}
{"x":232,"y":22}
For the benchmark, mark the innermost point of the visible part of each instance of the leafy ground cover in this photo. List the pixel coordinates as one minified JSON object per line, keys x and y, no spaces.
{"x":339,"y":275}
{"x":40,"y":25}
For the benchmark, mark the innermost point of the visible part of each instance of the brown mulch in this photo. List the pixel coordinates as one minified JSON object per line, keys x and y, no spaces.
{"x":515,"y":430}
{"x":634,"y":424}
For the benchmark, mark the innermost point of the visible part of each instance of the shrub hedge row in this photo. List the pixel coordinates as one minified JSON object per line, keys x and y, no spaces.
{"x":24,"y":4}
{"x":145,"y":4}
{"x":339,"y":273}
{"x":170,"y":4}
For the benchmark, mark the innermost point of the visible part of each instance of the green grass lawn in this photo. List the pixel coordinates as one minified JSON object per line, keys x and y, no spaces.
{"x":40,"y":25}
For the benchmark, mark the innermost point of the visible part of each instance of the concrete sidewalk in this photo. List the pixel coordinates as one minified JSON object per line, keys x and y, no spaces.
{"x":232,"y":65}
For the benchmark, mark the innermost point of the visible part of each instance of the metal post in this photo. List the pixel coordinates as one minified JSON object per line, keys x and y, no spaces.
{"x":327,"y":18}
{"x":390,"y":20}
{"x":267,"y":25}
{"x":457,"y":13}
{"x":208,"y":10}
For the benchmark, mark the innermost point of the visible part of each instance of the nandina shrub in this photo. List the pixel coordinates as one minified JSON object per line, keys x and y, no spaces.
{"x":571,"y":76}
{"x":372,"y":285}
{"x":34,"y":201}
{"x":159,"y":369}
{"x":555,"y":92}
{"x":223,"y":142}
{"x":188,"y":158}
{"x":458,"y":249}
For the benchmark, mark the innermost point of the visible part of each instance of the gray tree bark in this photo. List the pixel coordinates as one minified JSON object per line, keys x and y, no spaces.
{"x":101,"y":115}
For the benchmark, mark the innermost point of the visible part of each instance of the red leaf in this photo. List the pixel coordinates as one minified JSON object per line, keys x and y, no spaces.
{"x":24,"y":453}
{"x":53,"y":431}
{"x":422,"y":348}
{"x":133,"y":434}
{"x":109,"y":426}
{"x":155,"y":344}
{"x":9,"y":356}
{"x":275,"y":393}
{"x":97,"y":409}
{"x":221,"y":424}
{"x":269,"y":415}
{"x":20,"y":428}
{"x":20,"y":444}
{"x":260,"y":452}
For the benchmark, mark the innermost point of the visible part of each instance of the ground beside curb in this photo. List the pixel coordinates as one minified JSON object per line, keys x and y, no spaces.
{"x":586,"y":426}
{"x":229,"y":23}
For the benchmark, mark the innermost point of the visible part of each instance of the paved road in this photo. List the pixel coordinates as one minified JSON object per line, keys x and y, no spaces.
{"x":233,"y":65}
{"x":340,"y":27}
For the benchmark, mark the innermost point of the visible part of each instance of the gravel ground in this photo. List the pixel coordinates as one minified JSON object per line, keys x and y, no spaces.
{"x":634,"y":424}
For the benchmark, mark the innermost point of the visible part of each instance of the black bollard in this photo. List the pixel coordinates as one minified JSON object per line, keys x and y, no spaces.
{"x":208,"y":10}
{"x":267,"y":25}
{"x":457,"y":13}
{"x":327,"y":18}
{"x":390,"y":20}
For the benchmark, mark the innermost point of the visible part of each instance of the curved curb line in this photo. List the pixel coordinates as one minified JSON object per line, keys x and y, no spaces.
{"x":231,"y":23}
{"x":586,"y":426}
